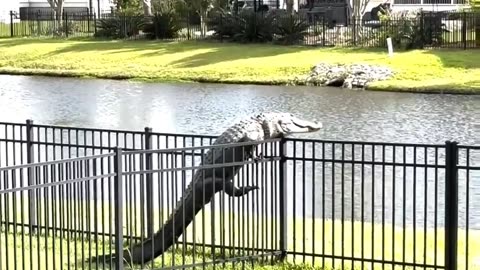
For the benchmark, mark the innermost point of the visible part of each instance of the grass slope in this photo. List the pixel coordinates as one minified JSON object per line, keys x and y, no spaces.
{"x":310,"y":235}
{"x":420,"y":70}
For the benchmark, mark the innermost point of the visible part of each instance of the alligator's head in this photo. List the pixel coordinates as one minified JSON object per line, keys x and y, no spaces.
{"x":278,"y":124}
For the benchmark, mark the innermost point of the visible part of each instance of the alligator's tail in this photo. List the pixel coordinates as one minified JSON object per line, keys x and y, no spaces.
{"x":175,"y":226}
{"x":199,"y":193}
{"x":163,"y":239}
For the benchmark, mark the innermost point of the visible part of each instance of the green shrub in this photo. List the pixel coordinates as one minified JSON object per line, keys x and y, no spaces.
{"x":164,"y":24}
{"x":290,"y":29}
{"x":411,"y":31}
{"x":254,"y":27}
{"x":247,"y":26}
{"x":405,"y":34}
{"x":223,"y":24}
{"x":119,"y":26}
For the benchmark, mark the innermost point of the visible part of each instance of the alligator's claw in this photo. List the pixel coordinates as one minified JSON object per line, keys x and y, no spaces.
{"x":234,"y":191}
{"x":258,"y":157}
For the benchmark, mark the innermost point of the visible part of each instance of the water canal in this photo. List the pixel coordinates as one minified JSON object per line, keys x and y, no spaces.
{"x":210,"y":108}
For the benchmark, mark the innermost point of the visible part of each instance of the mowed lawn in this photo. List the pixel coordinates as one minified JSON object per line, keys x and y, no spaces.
{"x":308,"y":236}
{"x":417,"y":70}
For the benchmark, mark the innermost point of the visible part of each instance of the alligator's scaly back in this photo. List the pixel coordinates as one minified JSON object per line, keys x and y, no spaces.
{"x":206,"y":182}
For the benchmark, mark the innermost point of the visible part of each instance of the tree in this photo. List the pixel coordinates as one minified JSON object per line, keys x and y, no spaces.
{"x":202,"y":7}
{"x":289,"y":4}
{"x":57,"y":6}
{"x":358,"y":8}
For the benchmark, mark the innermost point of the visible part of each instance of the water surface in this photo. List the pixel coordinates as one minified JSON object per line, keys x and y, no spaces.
{"x":211,"y":108}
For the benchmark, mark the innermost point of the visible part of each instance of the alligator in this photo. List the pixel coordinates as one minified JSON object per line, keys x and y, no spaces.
{"x":207,"y":182}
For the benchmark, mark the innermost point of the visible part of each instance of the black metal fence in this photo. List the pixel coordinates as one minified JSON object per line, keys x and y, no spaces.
{"x":68,"y":193}
{"x":44,"y":23}
{"x":452,"y":29}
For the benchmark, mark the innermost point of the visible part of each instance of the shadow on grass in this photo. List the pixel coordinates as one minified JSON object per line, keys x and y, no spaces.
{"x":464,"y":86}
{"x":212,"y":257}
{"x":458,"y":58}
{"x":9,"y":42}
{"x":209,"y":52}
{"x":226,"y":52}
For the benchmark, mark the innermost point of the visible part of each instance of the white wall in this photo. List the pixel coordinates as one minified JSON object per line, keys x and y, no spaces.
{"x":104,"y":4}
{"x":5,"y":8}
{"x":438,"y":7}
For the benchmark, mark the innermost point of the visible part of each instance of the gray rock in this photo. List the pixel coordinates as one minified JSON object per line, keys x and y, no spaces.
{"x":348,"y":76}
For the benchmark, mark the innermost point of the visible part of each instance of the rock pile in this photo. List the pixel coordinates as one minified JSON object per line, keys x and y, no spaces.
{"x":348,"y":76}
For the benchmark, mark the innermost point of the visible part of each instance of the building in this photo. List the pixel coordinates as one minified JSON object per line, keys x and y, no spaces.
{"x":25,"y":8}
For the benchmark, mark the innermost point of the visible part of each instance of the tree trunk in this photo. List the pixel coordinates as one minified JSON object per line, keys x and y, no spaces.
{"x":61,"y":29}
{"x":57,"y":7}
{"x":203,"y":24}
{"x":147,"y":8}
{"x":357,"y":9}
{"x":289,"y":6}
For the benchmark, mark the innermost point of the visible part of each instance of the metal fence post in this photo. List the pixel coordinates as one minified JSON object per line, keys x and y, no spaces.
{"x":89,"y":14}
{"x":95,"y":24}
{"x":188,"y":24}
{"x":11,"y":23}
{"x":66,"y":24}
{"x":283,"y":199}
{"x":422,"y":29}
{"x":118,"y":209}
{"x":464,"y":30}
{"x":354,"y":30}
{"x":149,"y":182}
{"x":451,"y":205}
{"x":32,"y":215}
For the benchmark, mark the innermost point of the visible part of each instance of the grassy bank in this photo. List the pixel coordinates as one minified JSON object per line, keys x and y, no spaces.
{"x":454,"y":71}
{"x":74,"y":249}
{"x":309,"y":236}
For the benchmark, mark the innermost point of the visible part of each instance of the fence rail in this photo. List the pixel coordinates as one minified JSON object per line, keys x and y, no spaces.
{"x":69,"y":193}
{"x":452,"y":29}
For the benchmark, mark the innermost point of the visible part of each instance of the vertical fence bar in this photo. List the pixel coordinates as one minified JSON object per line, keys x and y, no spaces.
{"x":95,"y":23}
{"x":118,"y":209}
{"x":66,"y":24}
{"x":11,"y":23}
{"x":283,"y":199}
{"x":30,"y":159}
{"x":464,"y":30}
{"x":149,"y":182}
{"x":354,"y":30}
{"x":89,"y":15}
{"x":451,"y":205}
{"x":422,"y":29}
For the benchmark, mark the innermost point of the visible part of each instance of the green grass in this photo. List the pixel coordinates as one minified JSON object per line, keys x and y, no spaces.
{"x":445,"y":71}
{"x":303,"y":236}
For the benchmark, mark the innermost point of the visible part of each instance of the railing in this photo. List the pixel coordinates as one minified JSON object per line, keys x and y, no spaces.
{"x":48,"y":215}
{"x":46,"y":23}
{"x":430,"y":2}
{"x":454,"y":29}
{"x":326,"y":203}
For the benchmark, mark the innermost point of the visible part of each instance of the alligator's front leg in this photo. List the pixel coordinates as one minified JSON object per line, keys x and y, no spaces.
{"x":234,"y":191}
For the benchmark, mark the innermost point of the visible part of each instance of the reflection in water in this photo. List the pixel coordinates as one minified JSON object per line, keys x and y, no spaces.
{"x":346,"y":115}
